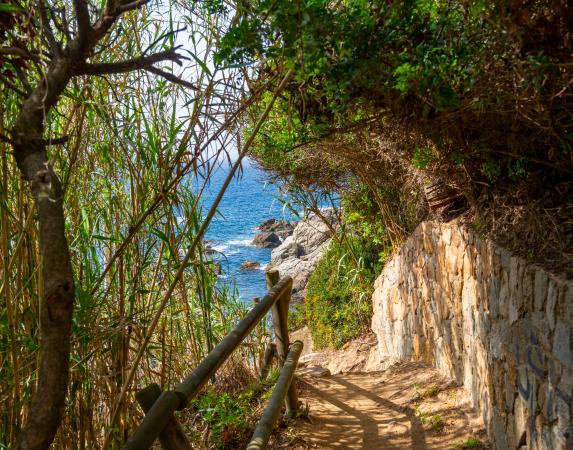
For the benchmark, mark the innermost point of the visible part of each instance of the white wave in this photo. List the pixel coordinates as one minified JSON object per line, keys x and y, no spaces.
{"x":263,"y":267}
{"x":221,"y":248}
{"x":240,"y":242}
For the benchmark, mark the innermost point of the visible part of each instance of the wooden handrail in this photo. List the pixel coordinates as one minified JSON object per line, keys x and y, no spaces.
{"x":280,"y":324}
{"x":161,"y":413}
{"x":172,"y":437}
{"x":272,"y":411}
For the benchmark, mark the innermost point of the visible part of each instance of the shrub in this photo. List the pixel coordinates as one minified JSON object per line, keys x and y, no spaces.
{"x":296,"y":317}
{"x":471,"y":443}
{"x":228,"y":416}
{"x":337,"y":307}
{"x":475,"y":94}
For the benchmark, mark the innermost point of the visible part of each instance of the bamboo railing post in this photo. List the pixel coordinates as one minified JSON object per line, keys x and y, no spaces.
{"x":257,"y":353}
{"x":172,"y":437}
{"x":270,"y":353}
{"x":272,"y":411}
{"x":280,"y":324}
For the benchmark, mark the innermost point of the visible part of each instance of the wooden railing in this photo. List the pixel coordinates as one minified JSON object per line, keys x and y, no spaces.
{"x":159,"y":421}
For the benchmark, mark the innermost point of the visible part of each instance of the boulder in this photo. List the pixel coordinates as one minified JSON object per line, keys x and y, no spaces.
{"x":266,"y":240}
{"x":299,"y":253}
{"x":311,"y":233}
{"x":282,"y":228}
{"x":250,"y":265}
{"x":313,"y":371}
{"x":289,"y":249}
{"x":299,"y":281}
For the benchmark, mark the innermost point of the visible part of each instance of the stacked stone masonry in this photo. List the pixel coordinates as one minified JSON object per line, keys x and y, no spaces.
{"x":495,"y":323}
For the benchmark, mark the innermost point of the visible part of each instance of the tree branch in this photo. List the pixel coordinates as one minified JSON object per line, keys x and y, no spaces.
{"x":131,"y":6}
{"x":47,"y":29}
{"x":44,"y":142}
{"x":170,"y":77}
{"x":84,"y":23}
{"x":113,"y":9}
{"x":16,"y":51}
{"x":143,"y":62}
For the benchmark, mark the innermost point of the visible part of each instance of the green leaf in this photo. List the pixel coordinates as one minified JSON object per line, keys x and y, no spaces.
{"x":8,"y":7}
{"x":201,"y":63}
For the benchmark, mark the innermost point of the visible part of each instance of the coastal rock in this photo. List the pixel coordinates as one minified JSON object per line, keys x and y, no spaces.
{"x":282,"y":228}
{"x":312,"y":233}
{"x":266,"y":240}
{"x":289,"y":249}
{"x":313,"y":371}
{"x":299,"y":253}
{"x":299,"y":282}
{"x":250,"y":265}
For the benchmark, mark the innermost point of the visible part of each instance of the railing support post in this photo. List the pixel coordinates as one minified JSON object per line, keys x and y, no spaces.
{"x":172,"y":437}
{"x":272,"y":411}
{"x":280,"y":325}
{"x":270,"y":353}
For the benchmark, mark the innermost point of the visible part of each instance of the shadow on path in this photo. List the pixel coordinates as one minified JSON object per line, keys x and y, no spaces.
{"x":347,"y":413}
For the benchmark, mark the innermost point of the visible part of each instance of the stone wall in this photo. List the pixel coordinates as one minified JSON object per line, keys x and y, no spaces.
{"x":493,"y":322}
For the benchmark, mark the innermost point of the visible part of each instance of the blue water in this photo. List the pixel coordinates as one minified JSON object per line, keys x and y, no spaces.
{"x":248,"y":201}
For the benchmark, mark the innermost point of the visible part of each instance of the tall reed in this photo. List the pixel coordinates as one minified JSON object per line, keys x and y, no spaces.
{"x":139,"y":153}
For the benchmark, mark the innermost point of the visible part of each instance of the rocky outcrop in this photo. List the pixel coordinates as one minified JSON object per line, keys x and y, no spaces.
{"x":282,"y":228}
{"x":208,"y":248}
{"x":358,"y":355}
{"x":496,"y":324}
{"x":266,"y":240}
{"x":250,"y":265}
{"x":299,"y":253}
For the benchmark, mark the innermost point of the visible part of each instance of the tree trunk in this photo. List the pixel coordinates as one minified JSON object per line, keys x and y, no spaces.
{"x":57,"y":301}
{"x":55,"y":308}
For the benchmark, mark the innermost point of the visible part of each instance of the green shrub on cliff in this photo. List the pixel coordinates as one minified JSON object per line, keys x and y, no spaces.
{"x":337,"y":307}
{"x":338,"y":304}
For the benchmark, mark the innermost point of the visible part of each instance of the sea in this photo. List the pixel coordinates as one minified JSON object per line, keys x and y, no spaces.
{"x":249,"y":200}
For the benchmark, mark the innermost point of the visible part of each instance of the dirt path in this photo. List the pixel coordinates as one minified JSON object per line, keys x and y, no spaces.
{"x":407,"y":406}
{"x":383,"y":411}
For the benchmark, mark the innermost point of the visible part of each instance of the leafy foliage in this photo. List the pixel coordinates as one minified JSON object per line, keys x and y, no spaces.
{"x":337,"y":306}
{"x":228,"y":416}
{"x":475,"y":94}
{"x":429,"y":63}
{"x":132,"y":195}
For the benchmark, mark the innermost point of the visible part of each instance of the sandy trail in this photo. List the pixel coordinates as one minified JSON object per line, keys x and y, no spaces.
{"x":408,"y":406}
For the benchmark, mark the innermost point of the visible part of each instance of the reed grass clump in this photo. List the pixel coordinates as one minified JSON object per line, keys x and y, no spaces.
{"x":130,"y":152}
